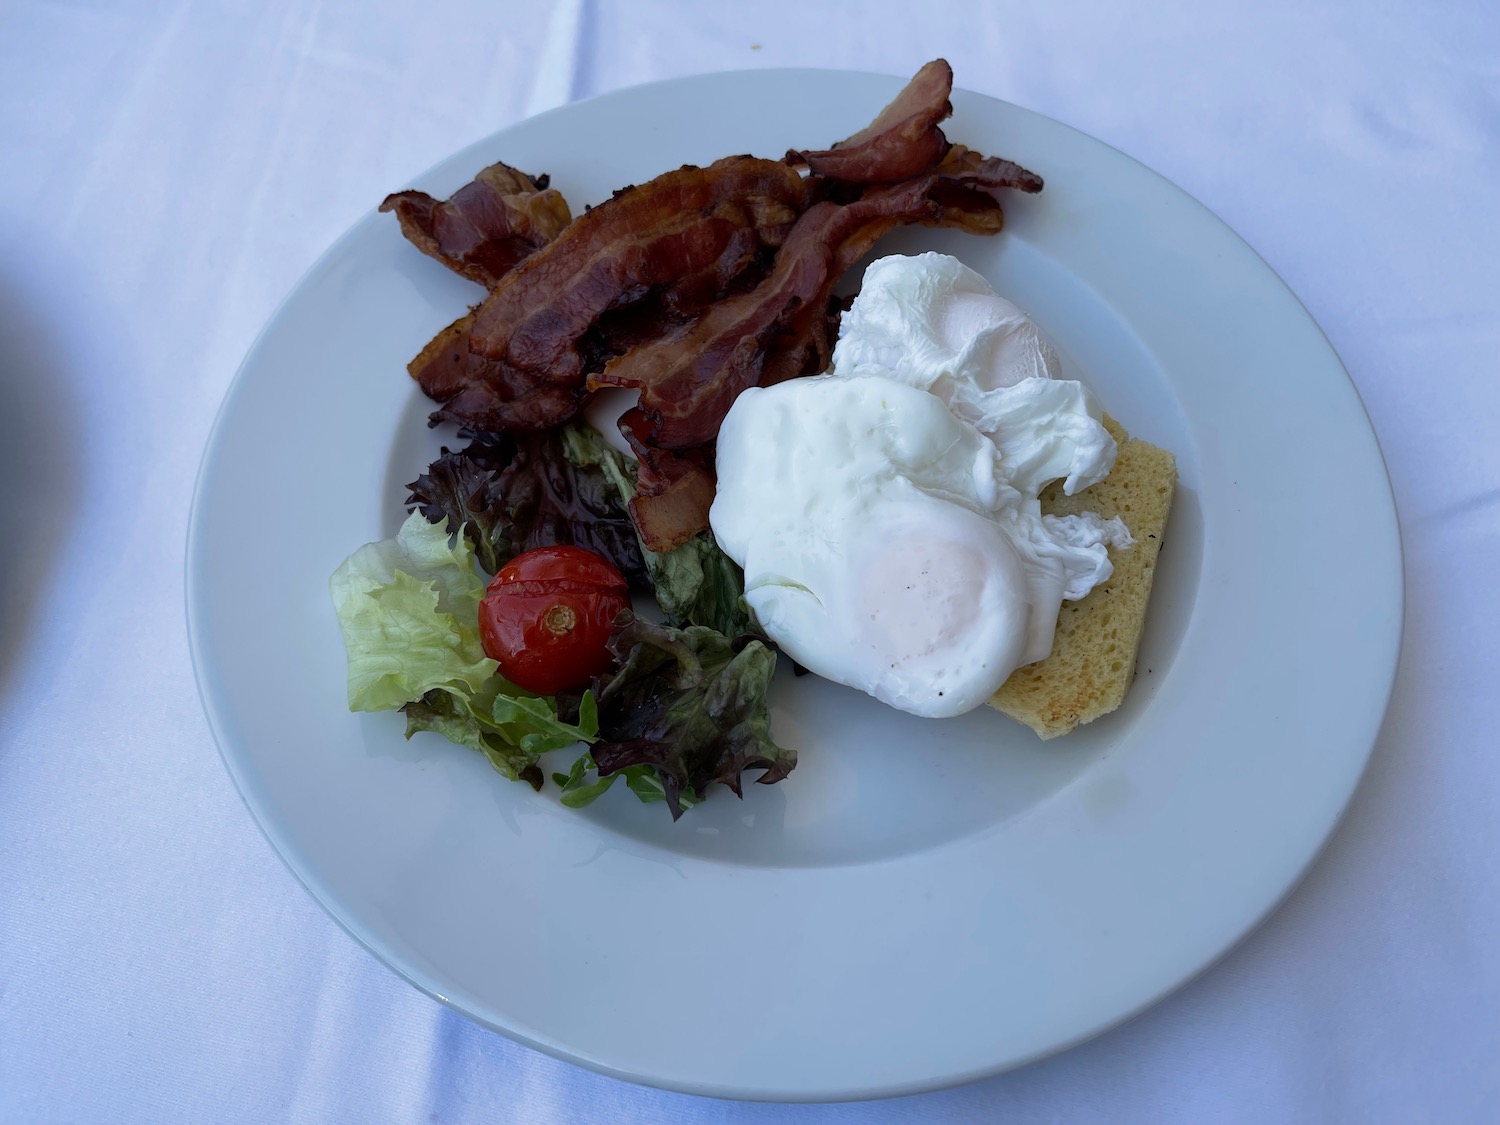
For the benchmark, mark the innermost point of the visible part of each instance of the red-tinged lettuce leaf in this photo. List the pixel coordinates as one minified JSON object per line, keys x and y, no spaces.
{"x":513,"y":496}
{"x":462,"y":489}
{"x":691,"y":705}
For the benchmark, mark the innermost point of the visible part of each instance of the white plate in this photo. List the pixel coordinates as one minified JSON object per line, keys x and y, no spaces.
{"x":922,"y":902}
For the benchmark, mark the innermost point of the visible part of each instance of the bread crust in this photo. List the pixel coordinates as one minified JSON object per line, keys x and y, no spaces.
{"x":1093,"y":656}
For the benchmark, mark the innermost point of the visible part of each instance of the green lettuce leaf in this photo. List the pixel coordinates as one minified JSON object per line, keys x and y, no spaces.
{"x":532,"y":721}
{"x":409,"y":611}
{"x":582,"y":785}
{"x":698,"y":584}
{"x":511,"y":730}
{"x":456,"y":720}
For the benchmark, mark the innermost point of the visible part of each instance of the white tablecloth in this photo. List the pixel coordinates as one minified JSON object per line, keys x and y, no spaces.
{"x":168,"y":170}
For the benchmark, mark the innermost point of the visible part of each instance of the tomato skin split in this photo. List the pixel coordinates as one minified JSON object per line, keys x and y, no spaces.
{"x":547,"y":616}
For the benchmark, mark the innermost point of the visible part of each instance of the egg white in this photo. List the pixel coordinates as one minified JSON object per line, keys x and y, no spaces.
{"x":886,"y":515}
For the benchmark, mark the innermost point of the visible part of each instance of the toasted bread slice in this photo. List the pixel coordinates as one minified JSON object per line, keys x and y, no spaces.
{"x":1093,"y":656}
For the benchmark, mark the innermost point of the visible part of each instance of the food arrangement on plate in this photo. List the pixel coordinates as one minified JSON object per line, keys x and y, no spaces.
{"x":664,"y":396}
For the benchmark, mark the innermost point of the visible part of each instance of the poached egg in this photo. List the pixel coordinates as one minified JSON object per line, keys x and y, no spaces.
{"x":886,"y":514}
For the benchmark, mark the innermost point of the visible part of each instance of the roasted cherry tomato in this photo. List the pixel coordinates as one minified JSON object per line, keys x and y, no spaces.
{"x":546,"y":617}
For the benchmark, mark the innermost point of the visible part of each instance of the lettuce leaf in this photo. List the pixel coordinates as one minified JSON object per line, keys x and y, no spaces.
{"x":409,"y":611}
{"x":463,"y":490}
{"x":533,"y":722}
{"x":455,"y":719}
{"x":582,"y":786}
{"x":510,"y":728}
{"x":698,"y":584}
{"x":512,"y":496}
{"x":690,"y":704}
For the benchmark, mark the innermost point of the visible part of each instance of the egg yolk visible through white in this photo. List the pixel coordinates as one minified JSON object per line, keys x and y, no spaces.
{"x":888,"y":543}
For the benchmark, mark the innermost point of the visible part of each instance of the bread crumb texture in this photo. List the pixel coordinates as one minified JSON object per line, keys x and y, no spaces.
{"x":1093,"y":656}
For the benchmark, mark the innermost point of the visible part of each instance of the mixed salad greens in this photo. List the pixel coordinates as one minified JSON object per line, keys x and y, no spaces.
{"x":683,"y":705}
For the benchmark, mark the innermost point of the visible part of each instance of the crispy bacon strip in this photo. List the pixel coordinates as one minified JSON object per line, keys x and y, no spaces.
{"x":475,"y":390}
{"x":488,"y":225}
{"x":988,"y":173}
{"x":682,"y":238}
{"x":902,"y":142}
{"x":688,"y":379}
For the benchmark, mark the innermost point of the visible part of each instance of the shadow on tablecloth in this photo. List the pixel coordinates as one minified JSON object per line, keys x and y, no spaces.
{"x":39,"y":470}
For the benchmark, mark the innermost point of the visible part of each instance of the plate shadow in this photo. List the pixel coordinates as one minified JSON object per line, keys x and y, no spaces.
{"x":40,"y":463}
